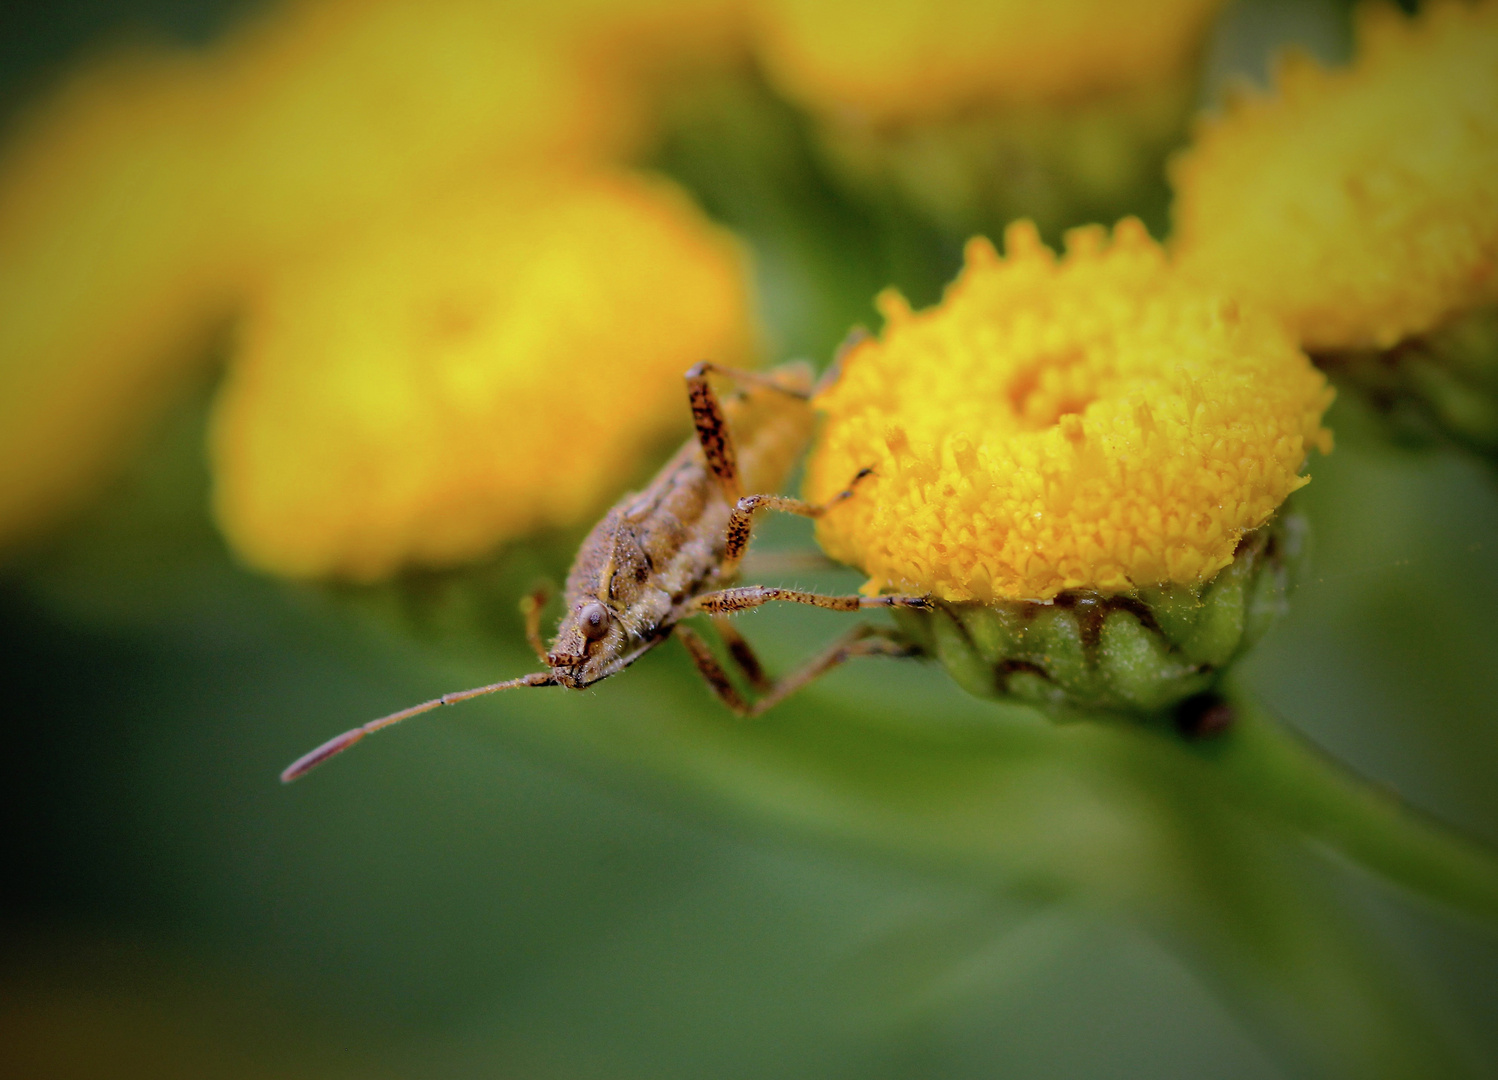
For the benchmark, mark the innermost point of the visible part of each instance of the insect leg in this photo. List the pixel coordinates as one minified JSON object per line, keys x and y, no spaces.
{"x":712,"y":430}
{"x":742,"y":653}
{"x":712,"y":425}
{"x":754,"y":378}
{"x":743,"y":597}
{"x":712,"y":672}
{"x":531,"y":607}
{"x":860,"y":641}
{"x":741,"y":521}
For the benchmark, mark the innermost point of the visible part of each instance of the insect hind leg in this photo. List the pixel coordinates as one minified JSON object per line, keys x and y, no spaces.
{"x":864,"y":640}
{"x":712,"y":672}
{"x":742,"y":653}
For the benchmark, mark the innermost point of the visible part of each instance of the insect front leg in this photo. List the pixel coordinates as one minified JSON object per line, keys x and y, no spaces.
{"x":531,"y":607}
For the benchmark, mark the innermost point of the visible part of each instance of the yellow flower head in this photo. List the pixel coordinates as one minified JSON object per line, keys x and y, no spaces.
{"x":1091,"y":422}
{"x":485,"y":363}
{"x":1359,"y":204}
{"x":901,"y":60}
{"x":141,"y":197}
{"x":107,"y":282}
{"x":330,"y":106}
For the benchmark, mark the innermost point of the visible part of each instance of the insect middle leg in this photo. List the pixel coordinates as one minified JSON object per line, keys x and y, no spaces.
{"x":862,"y":640}
{"x":741,"y":521}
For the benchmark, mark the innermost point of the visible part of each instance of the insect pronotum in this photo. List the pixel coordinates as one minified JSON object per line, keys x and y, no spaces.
{"x":674,"y":550}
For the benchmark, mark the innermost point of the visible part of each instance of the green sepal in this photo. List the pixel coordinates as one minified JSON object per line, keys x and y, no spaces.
{"x":1140,"y":667}
{"x":1139,"y":652}
{"x":960,"y":656}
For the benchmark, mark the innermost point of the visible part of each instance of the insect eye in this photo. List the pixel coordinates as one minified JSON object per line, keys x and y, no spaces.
{"x":593,"y":621}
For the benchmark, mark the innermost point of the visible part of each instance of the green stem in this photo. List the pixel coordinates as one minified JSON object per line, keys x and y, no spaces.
{"x":1299,"y":783}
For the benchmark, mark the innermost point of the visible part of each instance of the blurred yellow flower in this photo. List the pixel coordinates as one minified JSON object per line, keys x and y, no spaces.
{"x":141,"y":200}
{"x":904,"y":59}
{"x":979,"y":112}
{"x":108,"y":282}
{"x":473,"y":366}
{"x":1091,"y":422}
{"x":1360,"y":204}
{"x":335,"y":105}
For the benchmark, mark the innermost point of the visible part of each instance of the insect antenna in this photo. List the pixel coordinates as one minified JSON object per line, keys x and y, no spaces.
{"x":313,"y":758}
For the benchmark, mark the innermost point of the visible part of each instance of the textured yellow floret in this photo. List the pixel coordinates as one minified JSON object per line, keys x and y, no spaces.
{"x":1362,"y":203}
{"x":488,"y":362}
{"x":904,"y":60}
{"x":1090,"y":422}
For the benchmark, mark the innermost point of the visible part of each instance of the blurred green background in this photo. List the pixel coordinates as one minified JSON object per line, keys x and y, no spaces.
{"x":883,"y":878}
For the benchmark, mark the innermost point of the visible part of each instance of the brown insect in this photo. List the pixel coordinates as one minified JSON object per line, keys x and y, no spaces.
{"x":674,"y":549}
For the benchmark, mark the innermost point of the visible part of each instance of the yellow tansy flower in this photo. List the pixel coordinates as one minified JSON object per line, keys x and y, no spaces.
{"x":331,"y":107}
{"x":473,"y":367}
{"x":1093,"y":422}
{"x":983,"y":112}
{"x":108,"y":282}
{"x":903,"y":59}
{"x":334,"y":105}
{"x":1360,"y":204}
{"x":139,"y":200}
